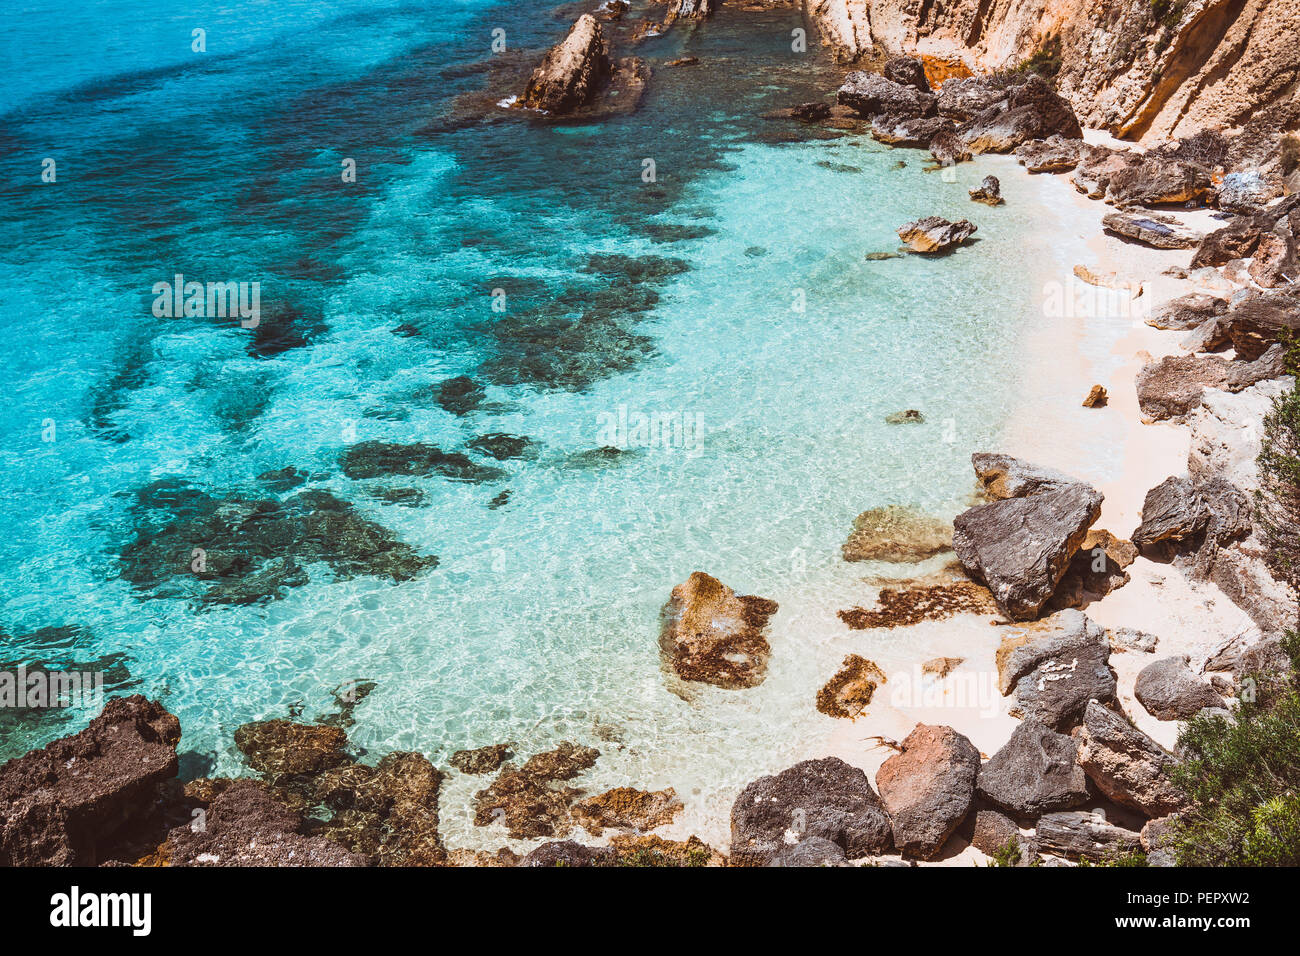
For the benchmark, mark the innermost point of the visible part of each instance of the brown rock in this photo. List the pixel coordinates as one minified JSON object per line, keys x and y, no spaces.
{"x":62,"y":805}
{"x":483,"y":760}
{"x":848,"y":693}
{"x":941,"y":666}
{"x":573,"y":71}
{"x":928,"y":788}
{"x":896,"y":533}
{"x":1125,"y":764}
{"x":1096,"y":397}
{"x":627,"y":808}
{"x":711,"y":634}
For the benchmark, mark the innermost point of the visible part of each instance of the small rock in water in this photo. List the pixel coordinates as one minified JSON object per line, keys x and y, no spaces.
{"x":483,"y":760}
{"x":881,"y":256}
{"x":1097,"y":397}
{"x":810,"y":112}
{"x":908,"y":416}
{"x":683,"y":61}
{"x":896,"y":533}
{"x":988,"y":192}
{"x":934,"y":234}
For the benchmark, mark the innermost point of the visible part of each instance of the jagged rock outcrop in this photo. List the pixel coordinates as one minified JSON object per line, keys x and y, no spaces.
{"x":928,"y":788}
{"x":1187,"y":312}
{"x":1002,"y":476}
{"x":989,"y":192}
{"x":1258,"y":323}
{"x":1130,"y":66}
{"x":870,"y":94}
{"x":1031,"y":111}
{"x":245,"y":826}
{"x":1172,"y":386}
{"x":824,"y":798}
{"x":1056,"y":154}
{"x":61,"y":805}
{"x":573,"y":71}
{"x":1182,"y":513}
{"x":713,"y":635}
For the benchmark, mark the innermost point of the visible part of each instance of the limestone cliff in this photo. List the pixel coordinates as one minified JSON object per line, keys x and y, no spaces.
{"x":1140,"y":68}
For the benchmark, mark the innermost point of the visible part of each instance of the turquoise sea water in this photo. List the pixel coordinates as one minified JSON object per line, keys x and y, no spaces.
{"x":731,"y":298}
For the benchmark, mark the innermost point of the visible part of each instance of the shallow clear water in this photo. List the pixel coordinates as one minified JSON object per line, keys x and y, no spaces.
{"x":773,"y":344}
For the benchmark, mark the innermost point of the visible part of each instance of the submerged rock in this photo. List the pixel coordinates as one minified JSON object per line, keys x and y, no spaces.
{"x":711,"y":634}
{"x":848,"y":693}
{"x":934,"y":234}
{"x":483,"y":760}
{"x":280,"y":749}
{"x":898,"y":534}
{"x":64,"y":804}
{"x":377,"y":459}
{"x":928,"y":787}
{"x":908,"y":416}
{"x":824,"y":798}
{"x":627,"y":808}
{"x":905,"y":606}
{"x":526,"y":799}
{"x":234,"y":550}
{"x":460,"y":395}
{"x":1125,"y":764}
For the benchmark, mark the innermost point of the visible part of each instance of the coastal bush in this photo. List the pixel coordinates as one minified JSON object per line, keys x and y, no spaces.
{"x":1045,"y":61}
{"x":1243,"y":777}
{"x":1008,"y":854}
{"x":1277,"y":503}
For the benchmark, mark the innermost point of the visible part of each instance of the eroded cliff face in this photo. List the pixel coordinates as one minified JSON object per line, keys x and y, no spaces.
{"x":1144,"y":69}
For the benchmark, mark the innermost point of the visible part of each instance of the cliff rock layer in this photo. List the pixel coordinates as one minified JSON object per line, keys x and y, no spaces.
{"x":1140,"y":68}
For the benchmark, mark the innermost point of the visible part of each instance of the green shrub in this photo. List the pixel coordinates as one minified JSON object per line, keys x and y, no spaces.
{"x":1045,"y":61}
{"x":1277,"y":503}
{"x":1243,"y":778}
{"x":1008,"y":854}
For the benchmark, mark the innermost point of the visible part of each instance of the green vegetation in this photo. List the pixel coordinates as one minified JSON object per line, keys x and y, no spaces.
{"x":648,"y":856}
{"x":1045,"y":61}
{"x":1277,"y":503}
{"x":1244,"y":778}
{"x":1008,"y":854}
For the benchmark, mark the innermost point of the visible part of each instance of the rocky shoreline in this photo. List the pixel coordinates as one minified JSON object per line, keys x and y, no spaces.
{"x":1078,"y":779}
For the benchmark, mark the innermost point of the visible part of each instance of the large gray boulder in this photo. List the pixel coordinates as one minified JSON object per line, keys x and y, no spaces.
{"x":1125,"y":764}
{"x":1055,"y":671}
{"x":928,"y":788}
{"x":811,"y":851}
{"x":870,"y":94}
{"x":1021,"y":547}
{"x":1182,"y":514}
{"x":1169,"y":690}
{"x":824,"y":798}
{"x":1036,"y":771}
{"x":1187,"y":312}
{"x":1152,"y":229}
{"x":908,"y":71}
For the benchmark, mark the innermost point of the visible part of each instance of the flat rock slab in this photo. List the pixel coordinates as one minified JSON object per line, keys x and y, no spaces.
{"x":1088,"y":836}
{"x":1153,"y":229}
{"x":713,"y":635}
